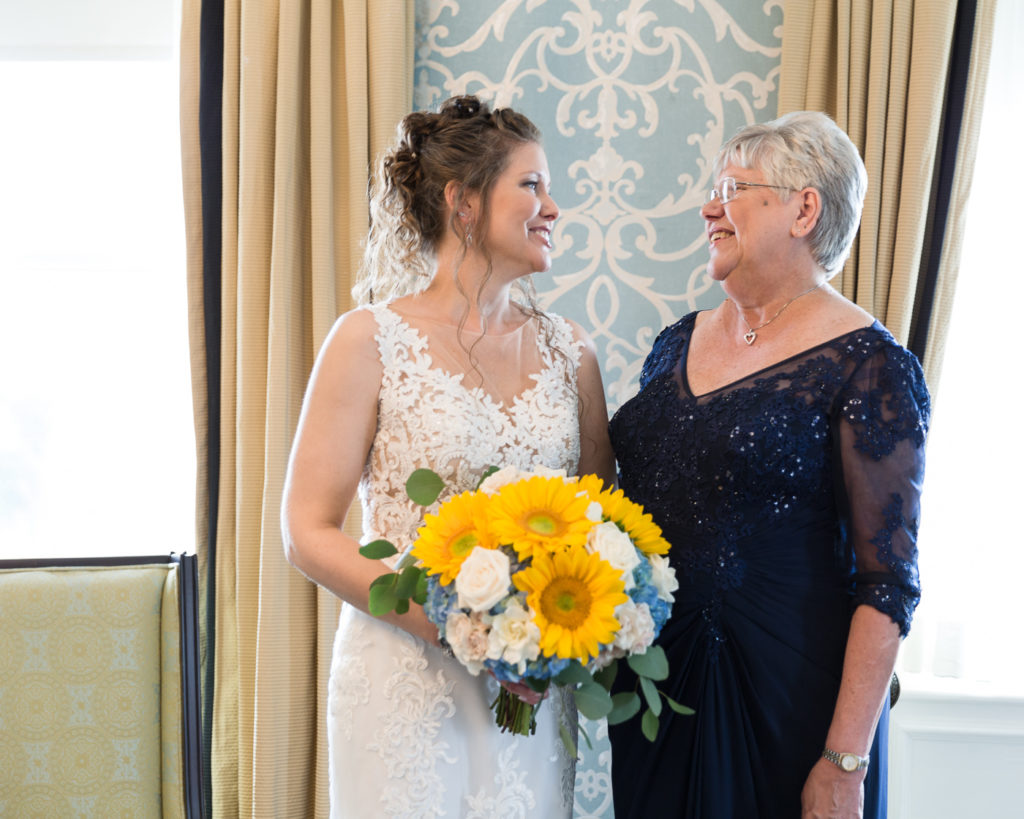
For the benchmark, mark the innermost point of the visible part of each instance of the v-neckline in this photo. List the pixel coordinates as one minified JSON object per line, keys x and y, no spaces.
{"x":479,"y":393}
{"x":684,"y":358}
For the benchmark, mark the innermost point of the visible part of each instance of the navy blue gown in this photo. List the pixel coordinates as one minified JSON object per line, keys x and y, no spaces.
{"x":789,"y":497}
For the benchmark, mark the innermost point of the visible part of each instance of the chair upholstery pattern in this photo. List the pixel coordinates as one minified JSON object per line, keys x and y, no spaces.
{"x":90,"y":692}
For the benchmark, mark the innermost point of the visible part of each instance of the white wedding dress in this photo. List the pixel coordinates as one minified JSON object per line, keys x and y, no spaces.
{"x":411,"y":733}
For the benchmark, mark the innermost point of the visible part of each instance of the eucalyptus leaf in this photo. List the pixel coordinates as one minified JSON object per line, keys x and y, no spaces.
{"x":606,"y":675}
{"x":651,"y":695}
{"x":420,"y":595}
{"x":378,"y":549}
{"x":652,"y":663}
{"x":382,"y":600}
{"x":402,"y":605}
{"x":649,"y":725}
{"x":685,"y":710}
{"x":570,"y":746}
{"x":388,"y":579}
{"x":574,"y":674}
{"x":625,"y":705}
{"x":407,"y":580}
{"x":593,"y":701}
{"x":580,"y":729}
{"x":423,"y":486}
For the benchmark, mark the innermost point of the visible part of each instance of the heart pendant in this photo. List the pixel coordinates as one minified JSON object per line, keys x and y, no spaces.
{"x":750,"y":337}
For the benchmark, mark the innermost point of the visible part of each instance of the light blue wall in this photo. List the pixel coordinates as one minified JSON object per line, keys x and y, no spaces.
{"x":634,"y":100}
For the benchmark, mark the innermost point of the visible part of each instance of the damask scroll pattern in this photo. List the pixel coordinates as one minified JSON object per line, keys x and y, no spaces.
{"x":634,"y":101}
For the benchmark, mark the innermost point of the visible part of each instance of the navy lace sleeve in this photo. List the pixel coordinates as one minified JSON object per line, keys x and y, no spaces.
{"x":882,"y":421}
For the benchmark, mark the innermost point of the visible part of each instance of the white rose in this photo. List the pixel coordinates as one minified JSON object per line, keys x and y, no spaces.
{"x":636,"y":627}
{"x":493,"y":482}
{"x":663,"y":576}
{"x":614,"y":546}
{"x":514,"y":637}
{"x":468,"y":638}
{"x":595,"y":512}
{"x":483,"y":579}
{"x":547,"y":472}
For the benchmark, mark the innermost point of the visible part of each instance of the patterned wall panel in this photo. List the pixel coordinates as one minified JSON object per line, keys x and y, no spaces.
{"x":634,"y":99}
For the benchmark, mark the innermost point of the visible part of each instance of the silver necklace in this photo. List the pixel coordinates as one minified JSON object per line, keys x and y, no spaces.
{"x":751,"y":335}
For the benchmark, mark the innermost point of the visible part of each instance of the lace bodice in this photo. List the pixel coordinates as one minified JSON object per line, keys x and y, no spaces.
{"x":829,"y":441}
{"x":428,"y":417}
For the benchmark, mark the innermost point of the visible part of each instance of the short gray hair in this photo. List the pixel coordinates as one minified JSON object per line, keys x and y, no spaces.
{"x":806,"y":149}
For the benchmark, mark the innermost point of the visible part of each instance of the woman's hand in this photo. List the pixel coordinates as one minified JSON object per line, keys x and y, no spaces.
{"x":831,"y":793}
{"x":524,"y":692}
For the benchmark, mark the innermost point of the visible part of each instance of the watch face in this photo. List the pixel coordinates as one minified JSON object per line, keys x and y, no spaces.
{"x":849,"y":762}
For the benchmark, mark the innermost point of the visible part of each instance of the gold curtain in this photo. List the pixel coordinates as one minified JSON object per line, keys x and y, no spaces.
{"x":312,"y":90}
{"x":879,"y":68}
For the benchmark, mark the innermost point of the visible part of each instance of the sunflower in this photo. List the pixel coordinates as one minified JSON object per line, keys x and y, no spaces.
{"x":573,"y":595}
{"x":627,"y":515}
{"x":445,"y":539}
{"x":540,"y":514}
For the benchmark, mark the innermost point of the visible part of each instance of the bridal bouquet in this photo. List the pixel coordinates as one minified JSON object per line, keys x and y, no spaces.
{"x":540,"y":579}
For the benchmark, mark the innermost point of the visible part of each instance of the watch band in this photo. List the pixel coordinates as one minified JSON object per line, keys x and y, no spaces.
{"x":845,"y":760}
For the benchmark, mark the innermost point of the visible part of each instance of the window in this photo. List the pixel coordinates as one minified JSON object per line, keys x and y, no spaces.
{"x":97,"y":452}
{"x":972,"y":538}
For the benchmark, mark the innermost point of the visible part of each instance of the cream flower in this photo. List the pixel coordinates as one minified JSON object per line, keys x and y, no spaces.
{"x":468,"y":638}
{"x":483,"y":579}
{"x":663,"y":577}
{"x":514,"y":637}
{"x":614,"y":546}
{"x":636,"y":627}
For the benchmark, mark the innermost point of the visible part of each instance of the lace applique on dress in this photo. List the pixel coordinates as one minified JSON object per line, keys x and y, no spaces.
{"x":424,"y":742}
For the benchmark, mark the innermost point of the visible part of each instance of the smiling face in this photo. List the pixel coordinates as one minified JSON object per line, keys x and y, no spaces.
{"x":521,"y":214}
{"x":750,"y":231}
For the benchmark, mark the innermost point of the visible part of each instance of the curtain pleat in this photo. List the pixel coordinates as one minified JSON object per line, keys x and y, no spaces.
{"x":311,"y":91}
{"x":880,"y":70}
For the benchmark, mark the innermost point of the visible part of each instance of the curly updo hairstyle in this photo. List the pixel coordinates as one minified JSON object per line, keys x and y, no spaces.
{"x":464,"y":142}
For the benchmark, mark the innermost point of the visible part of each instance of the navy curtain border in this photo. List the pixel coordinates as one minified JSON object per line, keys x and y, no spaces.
{"x":950,"y":130}
{"x":211,"y":84}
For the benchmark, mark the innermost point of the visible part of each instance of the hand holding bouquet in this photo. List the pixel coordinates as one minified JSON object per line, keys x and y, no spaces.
{"x":540,"y":579}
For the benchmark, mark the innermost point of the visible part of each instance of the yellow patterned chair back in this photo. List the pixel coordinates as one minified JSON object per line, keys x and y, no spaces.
{"x":99,"y":708}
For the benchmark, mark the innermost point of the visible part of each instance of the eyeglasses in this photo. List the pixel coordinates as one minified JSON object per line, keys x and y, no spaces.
{"x":728,"y":187}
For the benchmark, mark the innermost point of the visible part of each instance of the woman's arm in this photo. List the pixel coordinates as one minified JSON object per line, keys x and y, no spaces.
{"x":335,"y":432}
{"x":595,"y":446}
{"x":867,"y":669}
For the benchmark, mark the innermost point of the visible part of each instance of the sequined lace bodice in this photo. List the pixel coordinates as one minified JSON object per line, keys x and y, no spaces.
{"x":827,"y":446}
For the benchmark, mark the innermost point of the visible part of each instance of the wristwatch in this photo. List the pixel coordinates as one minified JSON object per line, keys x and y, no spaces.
{"x":847,"y":761}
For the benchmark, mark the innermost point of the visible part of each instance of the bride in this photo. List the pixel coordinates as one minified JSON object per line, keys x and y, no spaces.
{"x":449,"y":365}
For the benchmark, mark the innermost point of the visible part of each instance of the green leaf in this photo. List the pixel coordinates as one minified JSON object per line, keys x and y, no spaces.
{"x":402,"y":605}
{"x":651,"y":695}
{"x":606,"y":675}
{"x":420,"y":595}
{"x":649,"y":725}
{"x":382,"y":600}
{"x":593,"y":701}
{"x":378,"y":549}
{"x":652,"y":663}
{"x":388,"y":579}
{"x":423,"y":486}
{"x":685,"y":710}
{"x":487,"y":473}
{"x":574,"y":674}
{"x":407,"y":580}
{"x":625,"y":705}
{"x":570,"y":746}
{"x":586,"y":736}
{"x":537,"y":684}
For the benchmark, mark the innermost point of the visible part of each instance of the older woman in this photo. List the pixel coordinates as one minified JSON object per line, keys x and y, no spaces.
{"x":778,"y":439}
